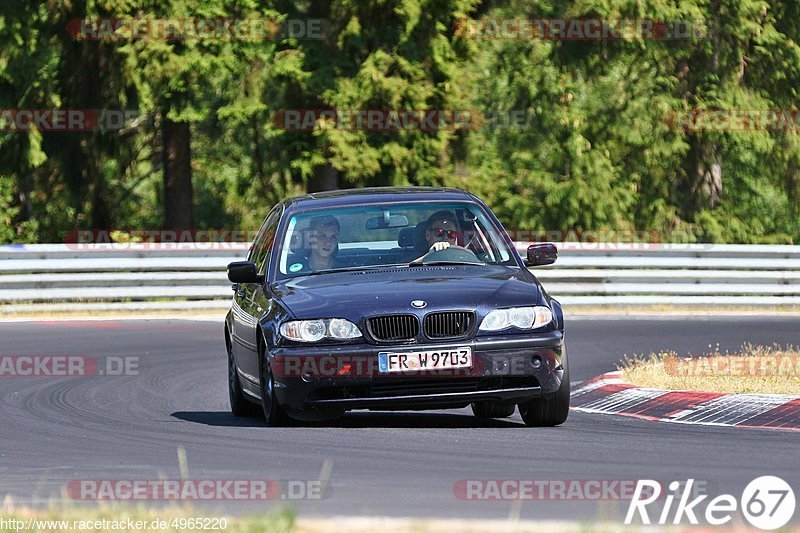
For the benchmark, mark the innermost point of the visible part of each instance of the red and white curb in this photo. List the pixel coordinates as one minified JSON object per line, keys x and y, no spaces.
{"x":610,"y":394}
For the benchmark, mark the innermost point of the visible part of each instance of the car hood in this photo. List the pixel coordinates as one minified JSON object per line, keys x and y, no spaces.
{"x":353,"y":295}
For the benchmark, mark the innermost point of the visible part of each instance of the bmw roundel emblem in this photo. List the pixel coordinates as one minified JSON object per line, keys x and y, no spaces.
{"x":419,"y":304}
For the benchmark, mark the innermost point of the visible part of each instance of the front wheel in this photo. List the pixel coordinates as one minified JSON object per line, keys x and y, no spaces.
{"x":548,"y":412}
{"x":274,"y":414}
{"x":240,"y":406}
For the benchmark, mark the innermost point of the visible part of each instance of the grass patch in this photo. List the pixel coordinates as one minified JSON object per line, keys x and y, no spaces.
{"x":284,"y":522}
{"x":70,"y":518}
{"x":753,"y":369}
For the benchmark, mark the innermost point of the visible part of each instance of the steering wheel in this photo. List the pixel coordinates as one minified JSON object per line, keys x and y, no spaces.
{"x":453,"y":253}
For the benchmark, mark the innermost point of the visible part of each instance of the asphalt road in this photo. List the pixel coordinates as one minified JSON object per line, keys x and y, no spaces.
{"x":56,"y":430}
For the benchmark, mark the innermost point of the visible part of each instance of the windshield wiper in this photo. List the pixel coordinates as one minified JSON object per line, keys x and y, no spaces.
{"x":351,"y":269}
{"x":328,"y":271}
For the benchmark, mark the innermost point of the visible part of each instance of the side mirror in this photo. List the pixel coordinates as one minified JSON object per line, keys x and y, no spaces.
{"x":244,"y":272}
{"x":542,"y":254}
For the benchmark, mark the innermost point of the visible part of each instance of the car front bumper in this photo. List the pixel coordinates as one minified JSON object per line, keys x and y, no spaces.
{"x":506,"y":368}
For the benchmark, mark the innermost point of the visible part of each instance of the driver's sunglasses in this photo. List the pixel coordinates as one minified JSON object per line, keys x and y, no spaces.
{"x":441,"y":232}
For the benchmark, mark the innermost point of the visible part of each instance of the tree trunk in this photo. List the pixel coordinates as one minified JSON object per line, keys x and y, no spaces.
{"x":24,"y":197}
{"x":177,"y":157}
{"x":101,"y":210}
{"x":325,"y":178}
{"x":704,"y":177}
{"x":708,"y":180}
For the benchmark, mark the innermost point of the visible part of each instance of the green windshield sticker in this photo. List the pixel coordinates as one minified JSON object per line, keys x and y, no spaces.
{"x":296,"y":267}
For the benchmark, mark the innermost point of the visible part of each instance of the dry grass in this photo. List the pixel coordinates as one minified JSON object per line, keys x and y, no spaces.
{"x":753,"y":369}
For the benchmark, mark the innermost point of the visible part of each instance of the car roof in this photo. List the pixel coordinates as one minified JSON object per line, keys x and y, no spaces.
{"x":376,"y":195}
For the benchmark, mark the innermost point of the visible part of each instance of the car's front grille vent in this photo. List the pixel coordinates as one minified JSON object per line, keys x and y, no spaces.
{"x":448,"y":325}
{"x":429,"y":385}
{"x":393,"y":327}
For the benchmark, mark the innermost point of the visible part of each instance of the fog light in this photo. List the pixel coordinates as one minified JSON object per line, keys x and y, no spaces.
{"x":536,"y":361}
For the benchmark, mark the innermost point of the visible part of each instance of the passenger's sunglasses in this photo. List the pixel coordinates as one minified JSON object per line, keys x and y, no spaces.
{"x":441,"y":232}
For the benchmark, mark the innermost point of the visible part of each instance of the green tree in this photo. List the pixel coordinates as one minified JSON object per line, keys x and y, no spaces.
{"x":378,"y":55}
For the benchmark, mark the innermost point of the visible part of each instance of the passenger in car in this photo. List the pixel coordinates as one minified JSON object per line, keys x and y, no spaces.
{"x":323,"y":239}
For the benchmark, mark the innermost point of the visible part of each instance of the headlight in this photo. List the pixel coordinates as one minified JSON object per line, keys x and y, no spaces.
{"x":339,"y":328}
{"x":518,"y":317}
{"x":316,"y":330}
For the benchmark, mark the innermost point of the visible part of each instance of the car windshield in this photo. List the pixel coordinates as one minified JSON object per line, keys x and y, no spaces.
{"x":384,"y":235}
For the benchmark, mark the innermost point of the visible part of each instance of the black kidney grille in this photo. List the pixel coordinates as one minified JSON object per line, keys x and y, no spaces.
{"x":449,"y":324}
{"x":393,"y":327}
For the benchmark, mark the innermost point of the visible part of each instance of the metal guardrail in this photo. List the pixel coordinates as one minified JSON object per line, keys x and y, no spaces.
{"x":192,"y":276}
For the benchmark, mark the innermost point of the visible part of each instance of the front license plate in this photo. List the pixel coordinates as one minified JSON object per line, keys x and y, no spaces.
{"x":460,"y":357}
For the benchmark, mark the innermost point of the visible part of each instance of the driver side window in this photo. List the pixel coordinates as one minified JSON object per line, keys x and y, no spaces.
{"x":262,"y":246}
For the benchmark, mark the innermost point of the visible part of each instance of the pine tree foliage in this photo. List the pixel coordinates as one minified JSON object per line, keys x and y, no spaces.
{"x":584,"y":135}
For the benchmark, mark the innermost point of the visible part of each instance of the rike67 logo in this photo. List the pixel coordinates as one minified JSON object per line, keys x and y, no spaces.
{"x":767,"y":503}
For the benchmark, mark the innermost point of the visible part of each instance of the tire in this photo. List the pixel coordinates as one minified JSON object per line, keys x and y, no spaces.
{"x":548,"y":412}
{"x":492,"y":409}
{"x":274,"y":414}
{"x":240,"y":406}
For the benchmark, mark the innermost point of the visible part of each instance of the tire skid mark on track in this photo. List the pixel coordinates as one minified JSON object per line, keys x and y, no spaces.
{"x":610,"y":394}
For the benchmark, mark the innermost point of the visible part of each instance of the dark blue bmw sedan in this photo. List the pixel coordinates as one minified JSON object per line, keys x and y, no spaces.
{"x":399,"y":298}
